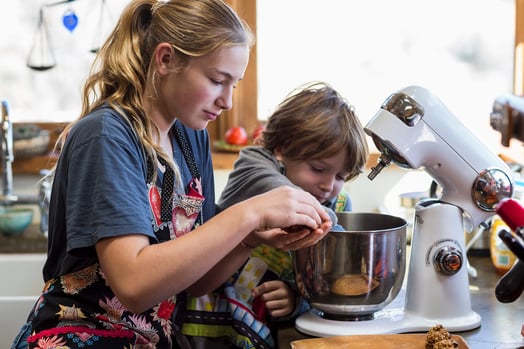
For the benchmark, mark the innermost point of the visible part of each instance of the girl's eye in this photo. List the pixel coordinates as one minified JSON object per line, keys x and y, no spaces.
{"x":220,"y":83}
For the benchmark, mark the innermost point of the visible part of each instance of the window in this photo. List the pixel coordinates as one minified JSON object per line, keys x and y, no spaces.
{"x":462,"y":51}
{"x":54,"y":94}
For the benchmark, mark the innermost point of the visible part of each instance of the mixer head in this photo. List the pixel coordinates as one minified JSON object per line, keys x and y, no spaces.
{"x":414,"y":129}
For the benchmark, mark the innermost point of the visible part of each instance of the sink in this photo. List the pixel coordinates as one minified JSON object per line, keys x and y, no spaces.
{"x":23,"y":272}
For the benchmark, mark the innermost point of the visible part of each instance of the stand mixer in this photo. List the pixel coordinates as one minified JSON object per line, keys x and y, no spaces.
{"x":415,"y":130}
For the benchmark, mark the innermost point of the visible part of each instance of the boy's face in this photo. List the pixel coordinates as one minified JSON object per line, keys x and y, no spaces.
{"x":323,"y":178}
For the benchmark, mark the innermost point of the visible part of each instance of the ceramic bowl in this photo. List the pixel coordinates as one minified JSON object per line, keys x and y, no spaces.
{"x":15,"y":220}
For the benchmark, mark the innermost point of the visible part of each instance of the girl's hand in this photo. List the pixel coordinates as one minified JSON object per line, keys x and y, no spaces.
{"x":290,"y":209}
{"x":285,"y":241}
{"x":278,"y":298}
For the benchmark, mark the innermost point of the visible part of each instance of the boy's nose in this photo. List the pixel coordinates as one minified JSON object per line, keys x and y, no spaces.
{"x":328,"y":184}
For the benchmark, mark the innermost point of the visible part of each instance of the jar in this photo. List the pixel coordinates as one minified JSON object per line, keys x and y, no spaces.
{"x":501,"y":256}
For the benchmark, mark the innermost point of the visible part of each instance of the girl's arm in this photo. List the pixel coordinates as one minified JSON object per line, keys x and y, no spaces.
{"x":142,"y":275}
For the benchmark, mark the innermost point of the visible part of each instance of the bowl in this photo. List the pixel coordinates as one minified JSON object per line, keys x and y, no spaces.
{"x":353,"y":273}
{"x":15,"y":220}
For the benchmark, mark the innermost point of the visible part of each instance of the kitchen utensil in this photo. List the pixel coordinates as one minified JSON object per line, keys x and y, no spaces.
{"x":513,"y":243}
{"x":415,"y":130}
{"x":511,"y":212}
{"x":510,"y":285}
{"x":351,"y":274}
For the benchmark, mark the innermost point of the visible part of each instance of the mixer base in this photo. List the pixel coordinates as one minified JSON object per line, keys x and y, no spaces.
{"x":392,"y":319}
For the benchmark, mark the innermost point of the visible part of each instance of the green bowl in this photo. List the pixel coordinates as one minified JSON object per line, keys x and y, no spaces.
{"x":15,"y":220}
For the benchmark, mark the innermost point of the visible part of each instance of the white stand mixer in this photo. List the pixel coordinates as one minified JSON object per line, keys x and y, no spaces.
{"x":415,"y":130}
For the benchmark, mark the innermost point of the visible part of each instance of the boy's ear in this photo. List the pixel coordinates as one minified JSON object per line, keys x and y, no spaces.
{"x":278,"y":153}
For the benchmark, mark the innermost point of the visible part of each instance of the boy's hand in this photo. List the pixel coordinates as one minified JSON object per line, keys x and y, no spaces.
{"x":278,"y":298}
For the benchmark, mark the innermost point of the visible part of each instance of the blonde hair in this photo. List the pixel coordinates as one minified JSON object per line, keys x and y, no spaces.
{"x":316,"y":122}
{"x":124,"y":65}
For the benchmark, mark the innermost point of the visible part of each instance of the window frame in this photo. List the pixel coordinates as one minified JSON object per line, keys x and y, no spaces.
{"x":244,"y":111}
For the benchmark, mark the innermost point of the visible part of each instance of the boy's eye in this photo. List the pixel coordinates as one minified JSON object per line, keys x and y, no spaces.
{"x":217,"y":82}
{"x":346,"y":177}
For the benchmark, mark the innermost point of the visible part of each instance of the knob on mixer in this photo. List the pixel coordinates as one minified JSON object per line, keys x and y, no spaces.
{"x":448,"y":260}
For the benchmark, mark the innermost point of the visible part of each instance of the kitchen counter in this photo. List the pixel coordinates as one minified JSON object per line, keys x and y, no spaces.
{"x":501,"y":322}
{"x":30,"y":241}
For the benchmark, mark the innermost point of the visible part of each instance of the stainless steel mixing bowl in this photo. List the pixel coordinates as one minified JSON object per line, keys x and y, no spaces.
{"x":351,"y":274}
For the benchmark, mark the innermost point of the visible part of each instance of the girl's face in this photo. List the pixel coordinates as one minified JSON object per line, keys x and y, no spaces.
{"x":322,"y":178}
{"x":199,"y":92}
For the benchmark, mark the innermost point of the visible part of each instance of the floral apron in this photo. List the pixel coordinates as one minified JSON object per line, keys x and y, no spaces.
{"x":79,"y":310}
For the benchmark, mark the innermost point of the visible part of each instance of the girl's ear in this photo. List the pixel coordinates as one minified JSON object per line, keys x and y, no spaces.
{"x":164,"y":58}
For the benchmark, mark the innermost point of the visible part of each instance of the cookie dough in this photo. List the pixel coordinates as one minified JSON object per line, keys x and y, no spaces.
{"x":354,"y":285}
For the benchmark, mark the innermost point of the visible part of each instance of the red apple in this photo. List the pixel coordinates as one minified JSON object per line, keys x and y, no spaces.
{"x":257,"y":133}
{"x":236,"y":135}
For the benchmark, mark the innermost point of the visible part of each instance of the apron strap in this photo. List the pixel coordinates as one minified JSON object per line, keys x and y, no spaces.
{"x":169,"y":176}
{"x":186,"y":150}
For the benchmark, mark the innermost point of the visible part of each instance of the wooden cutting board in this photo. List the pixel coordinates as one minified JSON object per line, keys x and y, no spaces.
{"x":386,"y":341}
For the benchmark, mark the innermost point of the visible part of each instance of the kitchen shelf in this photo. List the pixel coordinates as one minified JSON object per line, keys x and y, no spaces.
{"x":33,"y":165}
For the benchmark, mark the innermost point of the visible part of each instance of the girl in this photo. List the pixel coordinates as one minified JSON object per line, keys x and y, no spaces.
{"x":131,"y":226}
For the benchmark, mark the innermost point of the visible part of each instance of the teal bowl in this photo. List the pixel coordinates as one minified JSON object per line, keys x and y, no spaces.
{"x":15,"y":220}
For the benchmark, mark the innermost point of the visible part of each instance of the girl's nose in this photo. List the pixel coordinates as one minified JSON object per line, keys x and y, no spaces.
{"x":225,"y":100}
